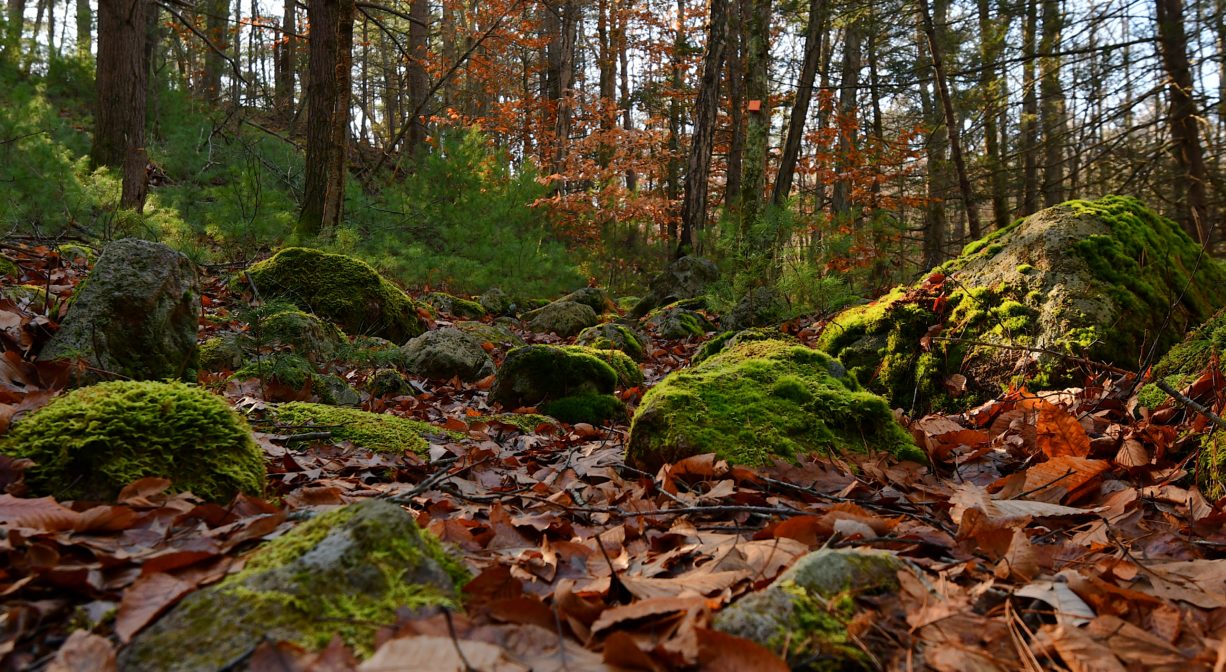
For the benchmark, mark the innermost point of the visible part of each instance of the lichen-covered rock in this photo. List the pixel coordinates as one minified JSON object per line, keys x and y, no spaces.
{"x":685,"y":278}
{"x":535,"y":374}
{"x":91,"y":442}
{"x":1087,"y":278}
{"x":380,"y":432}
{"x":496,"y":302}
{"x":1181,"y":367}
{"x":760,"y":401}
{"x":804,"y":613}
{"x":388,"y":382}
{"x":454,"y":305}
{"x":495,"y":334}
{"x":564,"y":318}
{"x":223,"y":352}
{"x":677,"y":320}
{"x":592,"y":297}
{"x":448,"y":353}
{"x":338,"y":288}
{"x":135,"y":316}
{"x":614,"y":336}
{"x":343,"y":573}
{"x":302,"y":332}
{"x":730,"y":339}
{"x":760,"y":307}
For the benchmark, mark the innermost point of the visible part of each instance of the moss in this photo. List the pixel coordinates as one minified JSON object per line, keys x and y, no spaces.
{"x":496,"y":334}
{"x":379,"y":432}
{"x":593,"y":409}
{"x":454,"y":305}
{"x":537,"y":373}
{"x":339,"y":288}
{"x":303,"y":332}
{"x":816,"y":628}
{"x":759,"y":401}
{"x":679,"y":320}
{"x":371,"y":351}
{"x":75,"y":252}
{"x":627,"y":303}
{"x":281,"y":368}
{"x":628,"y":373}
{"x":8,"y":267}
{"x":222,"y":352}
{"x":93,"y":441}
{"x":32,"y":296}
{"x":613,"y":336}
{"x":524,"y":422}
{"x":728,"y":339}
{"x":1025,"y":268}
{"x":388,"y":382}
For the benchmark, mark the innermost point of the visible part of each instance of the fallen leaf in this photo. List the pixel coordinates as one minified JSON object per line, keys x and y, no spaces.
{"x":145,"y":600}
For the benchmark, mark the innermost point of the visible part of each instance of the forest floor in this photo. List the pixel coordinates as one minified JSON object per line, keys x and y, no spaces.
{"x":1051,"y":531}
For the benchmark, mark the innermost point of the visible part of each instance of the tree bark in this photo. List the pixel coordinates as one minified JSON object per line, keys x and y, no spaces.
{"x":331,"y":61}
{"x":694,"y":202}
{"x":85,"y":27}
{"x":418,"y":79}
{"x":217,"y":27}
{"x":1181,"y":116}
{"x":991,"y":44}
{"x":122,"y":86}
{"x":735,"y":58}
{"x":935,"y":229}
{"x":283,"y":59}
{"x":12,"y":30}
{"x":849,"y":86}
{"x":757,"y":92}
{"x":1029,"y":124}
{"x":800,"y":108}
{"x":1051,"y":101}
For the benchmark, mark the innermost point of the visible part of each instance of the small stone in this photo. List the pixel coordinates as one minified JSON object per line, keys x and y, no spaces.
{"x":448,"y":353}
{"x":564,"y":318}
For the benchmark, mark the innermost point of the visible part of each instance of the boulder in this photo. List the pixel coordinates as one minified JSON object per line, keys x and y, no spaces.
{"x":760,"y":307}
{"x":338,"y":288}
{"x":302,"y":332}
{"x":564,"y":318}
{"x":594,"y":409}
{"x":678,"y":320}
{"x":592,"y":297}
{"x":335,"y":391}
{"x":686,"y":278}
{"x":345,"y":573}
{"x":223,"y":352}
{"x":535,"y":374}
{"x":730,"y":339}
{"x":1086,"y":278}
{"x":388,"y":383}
{"x":380,"y":432}
{"x":448,"y":353}
{"x":496,"y":302}
{"x":761,"y":401}
{"x":495,"y":334}
{"x":91,"y":442}
{"x":804,"y":613}
{"x":135,"y":315}
{"x":454,"y":305}
{"x":614,"y":336}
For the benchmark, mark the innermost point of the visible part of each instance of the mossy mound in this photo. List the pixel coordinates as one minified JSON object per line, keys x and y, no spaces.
{"x":280,"y":368}
{"x":804,"y":614}
{"x":93,"y":441}
{"x":343,"y":574}
{"x":729,"y":339}
{"x":592,"y":297}
{"x":388,"y":382}
{"x":222,"y":353}
{"x":8,"y":267}
{"x":379,"y":432}
{"x":538,"y":373}
{"x":1188,"y":359}
{"x":564,"y":318}
{"x":614,"y":336}
{"x":593,"y":409}
{"x":760,"y":401}
{"x":342,"y":289}
{"x":300,"y":331}
{"x":1086,"y":278}
{"x":495,"y":334}
{"x":372,"y":351}
{"x":679,"y":320}
{"x":30,"y":297}
{"x":77,"y":253}
{"x":454,"y":305}
{"x":627,"y":303}
{"x":628,"y":372}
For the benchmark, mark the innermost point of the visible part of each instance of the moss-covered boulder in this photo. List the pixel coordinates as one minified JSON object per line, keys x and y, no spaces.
{"x":91,"y":442}
{"x":454,"y":305}
{"x":628,"y":372}
{"x":389,"y":383}
{"x":564,"y":318}
{"x":135,"y":316}
{"x":299,"y":331}
{"x":760,"y":307}
{"x":593,"y":297}
{"x":535,"y":374}
{"x":495,"y":334}
{"x":8,"y":268}
{"x":380,"y":432}
{"x":284,"y":369}
{"x":496,"y":302}
{"x":343,"y":574}
{"x":804,"y":613}
{"x":760,"y":401}
{"x":372,"y":351}
{"x":1181,"y":367}
{"x":685,"y":278}
{"x":338,"y":288}
{"x":678,"y":320}
{"x":614,"y":336}
{"x":1087,"y":278}
{"x":594,"y":409}
{"x":729,"y":339}
{"x":75,"y":253}
{"x":448,"y":353}
{"x":223,"y":352}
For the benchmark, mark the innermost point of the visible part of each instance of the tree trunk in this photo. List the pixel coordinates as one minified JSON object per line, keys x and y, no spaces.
{"x":1185,"y":134}
{"x":849,"y":86}
{"x":283,"y":58}
{"x":991,"y":43}
{"x":1051,"y":101}
{"x":218,"y":29}
{"x":757,"y":92}
{"x":736,"y":106}
{"x":331,"y":61}
{"x":1029,"y":124}
{"x":800,"y":108}
{"x":673,"y":184}
{"x":694,"y":203}
{"x":122,"y":84}
{"x":12,"y":32}
{"x":626,"y":103}
{"x":85,"y":27}
{"x":935,"y":229}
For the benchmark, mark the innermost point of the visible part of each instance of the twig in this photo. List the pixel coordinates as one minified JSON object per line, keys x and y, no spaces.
{"x":1183,"y":399}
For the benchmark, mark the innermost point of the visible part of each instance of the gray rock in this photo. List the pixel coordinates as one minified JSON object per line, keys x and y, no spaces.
{"x":454,"y":305}
{"x":335,"y":391}
{"x":675,"y":321}
{"x":564,"y":318}
{"x":447,"y":353}
{"x":136,"y":314}
{"x":223,"y":352}
{"x":614,"y":336}
{"x":538,"y":373}
{"x":388,"y":382}
{"x":497,"y":333}
{"x":593,"y":297}
{"x":685,"y":278}
{"x":775,"y":616}
{"x":760,"y":307}
{"x":496,"y":302}
{"x":345,"y":572}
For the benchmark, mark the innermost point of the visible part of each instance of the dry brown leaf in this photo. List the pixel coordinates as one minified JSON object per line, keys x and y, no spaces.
{"x":1079,"y":651}
{"x":84,"y":652}
{"x":144,"y":600}
{"x":1059,"y":433}
{"x":721,"y":652}
{"x":43,"y":513}
{"x":649,"y":608}
{"x":439,"y":654}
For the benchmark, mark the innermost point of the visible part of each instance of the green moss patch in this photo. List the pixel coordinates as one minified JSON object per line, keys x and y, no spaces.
{"x":379,"y":432}
{"x":614,"y":336}
{"x":759,"y":401}
{"x":339,"y":288}
{"x":93,"y":441}
{"x":537,"y":373}
{"x":593,"y":409}
{"x":628,"y":372}
{"x":8,"y":267}
{"x":454,"y":305}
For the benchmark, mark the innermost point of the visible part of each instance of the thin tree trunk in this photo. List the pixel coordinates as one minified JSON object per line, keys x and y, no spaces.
{"x":1029,"y":124}
{"x":13,"y":27}
{"x":85,"y":27}
{"x":1185,"y":133}
{"x":418,"y":79}
{"x":736,"y":106}
{"x":991,"y":43}
{"x":122,"y":84}
{"x":935,"y":229}
{"x":1051,"y":105}
{"x":849,"y":86}
{"x":800,"y":108}
{"x":706,"y":106}
{"x":283,"y":57}
{"x":673,"y":184}
{"x":757,"y":131}
{"x":217,"y":28}
{"x":331,"y":61}
{"x":626,"y":103}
